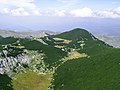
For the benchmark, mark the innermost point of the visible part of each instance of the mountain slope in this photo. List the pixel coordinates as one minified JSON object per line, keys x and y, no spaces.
{"x":73,"y":60}
{"x":99,"y":71}
{"x":26,"y":56}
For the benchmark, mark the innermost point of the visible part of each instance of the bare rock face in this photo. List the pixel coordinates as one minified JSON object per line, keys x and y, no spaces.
{"x":17,"y":64}
{"x":8,"y":64}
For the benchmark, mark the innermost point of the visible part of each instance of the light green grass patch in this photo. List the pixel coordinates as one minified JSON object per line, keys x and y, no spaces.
{"x":31,"y":81}
{"x":75,"y":55}
{"x":64,"y":40}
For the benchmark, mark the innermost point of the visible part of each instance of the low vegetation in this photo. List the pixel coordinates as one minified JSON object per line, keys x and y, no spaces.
{"x":75,"y":55}
{"x":31,"y":81}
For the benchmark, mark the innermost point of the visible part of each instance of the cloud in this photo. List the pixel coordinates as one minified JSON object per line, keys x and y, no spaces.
{"x":60,"y":13}
{"x":111,"y":13}
{"x":87,"y":12}
{"x":107,"y":14}
{"x":117,"y":10}
{"x":19,"y":7}
{"x":28,"y":8}
{"x":56,"y":13}
{"x":84,"y":12}
{"x":19,"y":12}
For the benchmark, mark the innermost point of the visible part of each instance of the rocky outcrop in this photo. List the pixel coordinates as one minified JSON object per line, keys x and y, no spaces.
{"x":8,"y":64}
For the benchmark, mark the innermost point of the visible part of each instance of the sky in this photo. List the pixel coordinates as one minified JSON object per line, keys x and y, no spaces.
{"x":97,"y":16}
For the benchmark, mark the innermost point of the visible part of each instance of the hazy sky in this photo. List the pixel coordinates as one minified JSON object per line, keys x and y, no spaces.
{"x":101,"y":16}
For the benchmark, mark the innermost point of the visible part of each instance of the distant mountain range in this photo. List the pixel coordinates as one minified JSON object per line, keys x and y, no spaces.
{"x":113,"y":41}
{"x":41,"y":33}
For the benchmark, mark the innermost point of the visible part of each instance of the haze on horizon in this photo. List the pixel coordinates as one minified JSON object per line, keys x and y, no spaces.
{"x":97,"y":16}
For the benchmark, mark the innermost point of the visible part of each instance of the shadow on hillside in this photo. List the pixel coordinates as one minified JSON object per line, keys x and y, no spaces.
{"x":5,"y":82}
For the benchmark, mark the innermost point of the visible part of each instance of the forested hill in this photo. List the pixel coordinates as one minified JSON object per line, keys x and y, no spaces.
{"x":72,"y":60}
